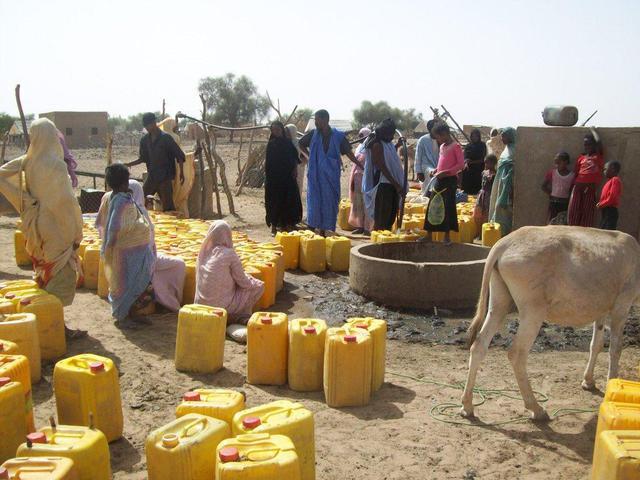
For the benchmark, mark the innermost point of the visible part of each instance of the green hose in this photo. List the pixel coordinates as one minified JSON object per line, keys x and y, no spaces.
{"x":442,"y":411}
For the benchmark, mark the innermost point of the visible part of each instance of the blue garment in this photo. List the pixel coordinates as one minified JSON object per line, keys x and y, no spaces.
{"x":323,"y":181}
{"x":426,"y":155}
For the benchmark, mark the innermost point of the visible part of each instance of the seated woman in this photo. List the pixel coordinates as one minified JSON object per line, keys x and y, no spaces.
{"x":126,"y":247}
{"x":222,"y":282}
{"x":168,"y":272}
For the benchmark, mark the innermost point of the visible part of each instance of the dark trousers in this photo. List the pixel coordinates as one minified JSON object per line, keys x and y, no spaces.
{"x":609,"y":220}
{"x":386,"y":207}
{"x":164,"y":189}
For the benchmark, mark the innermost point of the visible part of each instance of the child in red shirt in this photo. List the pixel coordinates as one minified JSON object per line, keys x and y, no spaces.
{"x":582,"y":206}
{"x":610,"y":197}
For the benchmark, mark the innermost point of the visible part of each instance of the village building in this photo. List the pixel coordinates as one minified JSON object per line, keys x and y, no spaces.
{"x":81,"y":129}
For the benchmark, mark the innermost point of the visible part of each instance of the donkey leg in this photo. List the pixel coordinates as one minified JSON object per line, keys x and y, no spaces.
{"x":618,"y":319}
{"x":530,"y":322}
{"x":597,"y":342}
{"x":499,"y":305}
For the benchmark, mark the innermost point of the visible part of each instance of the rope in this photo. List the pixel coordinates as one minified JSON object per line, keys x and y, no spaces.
{"x":442,"y":412}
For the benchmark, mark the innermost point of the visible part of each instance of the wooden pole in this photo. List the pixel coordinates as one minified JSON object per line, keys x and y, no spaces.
{"x":163,"y":108}
{"x":456,"y":123}
{"x":207,"y":153}
{"x":201,"y":177}
{"x":4,"y":146}
{"x":23,"y":120}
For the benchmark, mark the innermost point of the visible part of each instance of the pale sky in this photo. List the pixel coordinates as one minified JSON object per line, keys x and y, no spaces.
{"x":489,"y":62}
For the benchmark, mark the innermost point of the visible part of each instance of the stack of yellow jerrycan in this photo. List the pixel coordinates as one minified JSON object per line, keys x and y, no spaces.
{"x":257,"y":456}
{"x":616,"y":455}
{"x":338,"y":251}
{"x":268,"y":271}
{"x":184,"y":448}
{"x":312,"y":254}
{"x":16,"y":367}
{"x":286,"y":418}
{"x":21,"y":329}
{"x":91,"y":266}
{"x":45,"y":468}
{"x":267,"y":346}
{"x":12,"y":424}
{"x":22,"y":257}
{"x":343,"y":215}
{"x":491,"y":233}
{"x":200,"y":339}
{"x":290,"y":247}
{"x":87,"y":392}
{"x":306,"y":354}
{"x":85,"y":446}
{"x":216,"y":403}
{"x":189,"y":289}
{"x":49,"y":314}
{"x":11,"y":285}
{"x":348,"y":361}
{"x":466,"y":229}
{"x":378,"y":331}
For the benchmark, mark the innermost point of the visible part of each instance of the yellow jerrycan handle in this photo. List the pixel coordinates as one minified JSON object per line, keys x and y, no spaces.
{"x":186,"y":428}
{"x":43,"y":469}
{"x":287,"y":411}
{"x":261,"y":454}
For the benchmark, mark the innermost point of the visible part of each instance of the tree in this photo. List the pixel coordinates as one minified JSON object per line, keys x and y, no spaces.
{"x":233,"y":101}
{"x":301,"y":117}
{"x":114,"y":123}
{"x":372,"y":113}
{"x":5,"y":122}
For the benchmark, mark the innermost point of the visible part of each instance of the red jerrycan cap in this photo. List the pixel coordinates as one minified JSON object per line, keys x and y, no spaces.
{"x":229,"y":454}
{"x":25,"y":301}
{"x":1,"y":347}
{"x":10,"y":296}
{"x":251,"y":422}
{"x":4,"y":473}
{"x":191,"y":397}
{"x":96,"y":367}
{"x":310,"y":330}
{"x":350,"y":338}
{"x":4,"y":380}
{"x":37,"y":437}
{"x":266,"y":320}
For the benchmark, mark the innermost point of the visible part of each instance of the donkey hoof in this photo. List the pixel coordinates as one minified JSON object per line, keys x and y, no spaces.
{"x":466,"y":413}
{"x":540,"y":416}
{"x":588,"y":385}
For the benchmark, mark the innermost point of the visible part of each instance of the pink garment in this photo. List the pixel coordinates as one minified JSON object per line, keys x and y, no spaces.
{"x":70,"y":160}
{"x":358,"y":214}
{"x":168,"y":281}
{"x":220,"y":279}
{"x":451,"y":159}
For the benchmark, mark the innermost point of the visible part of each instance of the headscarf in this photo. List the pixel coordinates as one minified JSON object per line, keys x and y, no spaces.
{"x":293,"y":134}
{"x":385,"y":129}
{"x":475,"y":151}
{"x":510,"y":133}
{"x":363,"y":134}
{"x":137,"y":193}
{"x":167,"y":126}
{"x":281,"y":158}
{"x":218,"y":238}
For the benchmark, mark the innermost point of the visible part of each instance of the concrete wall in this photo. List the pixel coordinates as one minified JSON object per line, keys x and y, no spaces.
{"x":81,"y":125}
{"x":536,"y":148}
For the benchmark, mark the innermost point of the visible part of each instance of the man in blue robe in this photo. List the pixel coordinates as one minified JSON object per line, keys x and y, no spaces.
{"x":324,"y":146}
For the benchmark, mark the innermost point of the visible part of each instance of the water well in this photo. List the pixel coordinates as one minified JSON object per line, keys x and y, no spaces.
{"x":418,"y":275}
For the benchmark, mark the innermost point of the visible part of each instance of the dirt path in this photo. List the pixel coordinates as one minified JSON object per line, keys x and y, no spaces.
{"x":394,"y":437}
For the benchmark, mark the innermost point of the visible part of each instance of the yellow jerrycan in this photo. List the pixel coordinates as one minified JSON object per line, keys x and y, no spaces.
{"x":338,"y":251}
{"x":378,"y":331}
{"x":267,"y":345}
{"x":268,"y":271}
{"x":189,"y":289}
{"x":45,"y":468}
{"x":22,"y":329}
{"x":290,"y":248}
{"x":103,"y":283}
{"x":8,"y":348}
{"x":19,"y":243}
{"x":616,"y":455}
{"x":86,"y":387}
{"x":618,"y":416}
{"x":306,"y":354}
{"x":11,"y":285}
{"x":258,"y":456}
{"x":313,"y":257}
{"x":277,"y":258}
{"x":49,"y":314}
{"x":286,"y":418}
{"x":343,"y":215}
{"x":491,"y":233}
{"x":7,"y":307}
{"x":16,"y":367}
{"x":216,"y":403}
{"x":200,"y":339}
{"x":91,"y":266}
{"x":86,"y":447}
{"x":184,"y":449}
{"x":12,"y":424}
{"x":619,"y":390}
{"x":18,"y":294}
{"x":348,"y":359}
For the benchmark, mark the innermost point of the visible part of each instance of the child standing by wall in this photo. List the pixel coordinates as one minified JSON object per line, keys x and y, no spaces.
{"x":481,"y":210}
{"x":610,"y":197}
{"x":557,"y":184}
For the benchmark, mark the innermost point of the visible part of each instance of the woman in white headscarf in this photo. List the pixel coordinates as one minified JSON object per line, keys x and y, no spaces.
{"x":39,"y":188}
{"x":358,"y":216}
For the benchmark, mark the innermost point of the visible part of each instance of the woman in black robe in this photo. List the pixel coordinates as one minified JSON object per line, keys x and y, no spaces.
{"x":281,"y":194}
{"x":474,"y":153}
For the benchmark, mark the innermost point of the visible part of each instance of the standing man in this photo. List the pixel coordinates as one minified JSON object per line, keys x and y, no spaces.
{"x":324,"y":146}
{"x":426,"y":157}
{"x":160,"y":152}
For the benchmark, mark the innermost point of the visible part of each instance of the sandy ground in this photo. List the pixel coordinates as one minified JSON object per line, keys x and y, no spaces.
{"x":395,"y":437}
